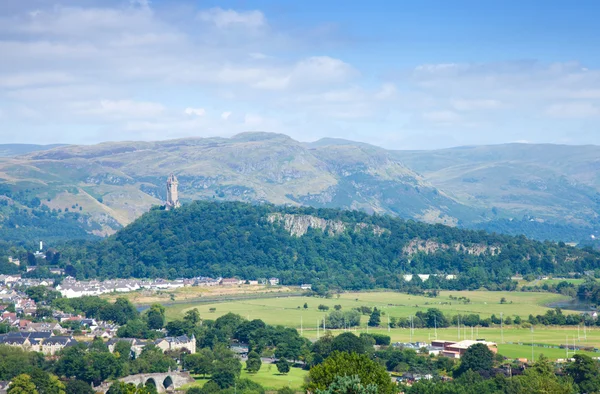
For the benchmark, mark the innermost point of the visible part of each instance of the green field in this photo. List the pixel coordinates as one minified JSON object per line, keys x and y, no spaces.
{"x":289,"y":311}
{"x":268,"y":377}
{"x":541,"y":335}
{"x":522,"y":351}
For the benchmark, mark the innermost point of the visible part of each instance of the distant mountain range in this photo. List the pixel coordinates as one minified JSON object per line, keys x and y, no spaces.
{"x":8,"y":150}
{"x":544,"y":191}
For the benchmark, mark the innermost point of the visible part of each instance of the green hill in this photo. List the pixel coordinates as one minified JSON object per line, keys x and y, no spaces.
{"x":349,"y":249}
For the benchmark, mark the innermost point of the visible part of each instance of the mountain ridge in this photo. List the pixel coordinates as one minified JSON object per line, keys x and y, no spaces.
{"x":111,"y":184}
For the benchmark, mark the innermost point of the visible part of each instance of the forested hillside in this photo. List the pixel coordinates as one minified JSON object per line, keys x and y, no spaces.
{"x":349,"y":249}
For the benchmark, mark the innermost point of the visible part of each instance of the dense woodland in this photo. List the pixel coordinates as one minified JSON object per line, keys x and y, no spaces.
{"x":237,"y":239}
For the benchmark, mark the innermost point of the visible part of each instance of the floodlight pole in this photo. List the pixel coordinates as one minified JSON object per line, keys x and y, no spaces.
{"x":501,"y":328}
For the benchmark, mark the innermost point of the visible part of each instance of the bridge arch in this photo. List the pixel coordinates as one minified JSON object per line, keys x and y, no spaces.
{"x":168,"y":383}
{"x":151,"y":381}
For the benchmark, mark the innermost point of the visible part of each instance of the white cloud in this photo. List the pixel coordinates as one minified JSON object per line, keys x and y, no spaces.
{"x":22,"y":80}
{"x":231,"y":18}
{"x":110,"y":109}
{"x":79,"y":67}
{"x":387,"y":91}
{"x":443,"y":117}
{"x":573,"y":110}
{"x":258,"y":56}
{"x":252,"y":119}
{"x":195,"y":111}
{"x":323,"y":69}
{"x":476,"y":104}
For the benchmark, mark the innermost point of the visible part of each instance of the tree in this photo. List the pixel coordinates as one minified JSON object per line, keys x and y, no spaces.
{"x":286,"y":390}
{"x":156,"y":317}
{"x":253,"y":363}
{"x":283,"y":366}
{"x":78,"y":387}
{"x":478,"y":358}
{"x":349,"y":343}
{"x":348,"y":385}
{"x":22,"y":384}
{"x":305,"y":305}
{"x":540,"y":379}
{"x":126,"y":388}
{"x":323,"y":307}
{"x":584,"y":371}
{"x":226,"y":369}
{"x":503,"y":300}
{"x":120,"y":312}
{"x":337,"y":307}
{"x":375,"y":318}
{"x":122,"y":349}
{"x":152,"y":360}
{"x":46,"y":383}
{"x":201,"y":362}
{"x":192,"y":317}
{"x":435,"y":318}
{"x":368,"y":371}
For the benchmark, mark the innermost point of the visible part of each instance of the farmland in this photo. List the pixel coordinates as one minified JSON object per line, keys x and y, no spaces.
{"x":288,"y":311}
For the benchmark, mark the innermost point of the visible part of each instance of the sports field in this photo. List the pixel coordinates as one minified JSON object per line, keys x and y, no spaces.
{"x":290,"y":311}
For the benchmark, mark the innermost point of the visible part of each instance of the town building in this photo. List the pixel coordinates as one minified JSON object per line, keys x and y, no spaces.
{"x":230,"y":282}
{"x":177,"y":343}
{"x":455,"y":349}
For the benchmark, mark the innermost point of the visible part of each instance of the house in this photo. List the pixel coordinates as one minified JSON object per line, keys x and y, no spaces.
{"x":4,"y":386}
{"x":230,"y":282}
{"x":57,"y":271}
{"x":44,"y":327}
{"x":14,"y":261}
{"x":9,"y":317}
{"x":53,"y":345}
{"x":305,"y":286}
{"x":89,"y":324}
{"x":274,"y":281}
{"x":16,"y":341}
{"x":177,"y":343}
{"x":8,"y":279}
{"x":239,"y":350}
{"x":23,"y":323}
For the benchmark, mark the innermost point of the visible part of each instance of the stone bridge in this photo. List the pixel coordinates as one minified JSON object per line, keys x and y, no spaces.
{"x":164,"y":382}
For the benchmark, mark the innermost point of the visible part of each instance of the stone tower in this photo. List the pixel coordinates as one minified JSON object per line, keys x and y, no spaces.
{"x":172,"y":194}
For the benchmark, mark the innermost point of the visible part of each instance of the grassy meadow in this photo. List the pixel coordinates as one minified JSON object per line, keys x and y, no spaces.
{"x":268,"y":377}
{"x":289,"y":311}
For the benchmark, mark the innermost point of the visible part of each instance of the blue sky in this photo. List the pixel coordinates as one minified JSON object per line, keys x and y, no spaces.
{"x":403,"y":74}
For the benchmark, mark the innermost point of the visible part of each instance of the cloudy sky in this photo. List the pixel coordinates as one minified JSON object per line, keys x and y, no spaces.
{"x":399,"y":74}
